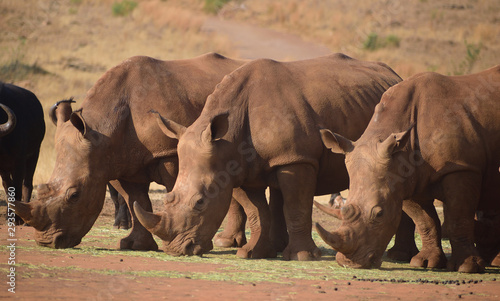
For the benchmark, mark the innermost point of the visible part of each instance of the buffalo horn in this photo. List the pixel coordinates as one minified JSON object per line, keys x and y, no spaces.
{"x":8,"y":126}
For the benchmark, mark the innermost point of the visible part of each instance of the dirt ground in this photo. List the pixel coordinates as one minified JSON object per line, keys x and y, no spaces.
{"x":96,"y":270}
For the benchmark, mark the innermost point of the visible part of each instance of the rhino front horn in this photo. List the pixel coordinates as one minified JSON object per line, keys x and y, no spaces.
{"x":332,"y":239}
{"x":24,"y":210}
{"x":328,"y":210}
{"x":148,"y":219}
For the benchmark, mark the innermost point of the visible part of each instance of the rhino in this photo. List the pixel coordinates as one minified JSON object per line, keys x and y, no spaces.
{"x":22,"y":130}
{"x":259,"y":129}
{"x":431,"y":137}
{"x":112,"y":138}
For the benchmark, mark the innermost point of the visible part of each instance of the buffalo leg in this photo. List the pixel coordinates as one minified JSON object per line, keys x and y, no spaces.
{"x":461,"y":194}
{"x":233,"y":234}
{"x":404,"y":243}
{"x":257,"y":211}
{"x":279,"y":233}
{"x":139,"y":238}
{"x":298,"y":184}
{"x":428,"y":226}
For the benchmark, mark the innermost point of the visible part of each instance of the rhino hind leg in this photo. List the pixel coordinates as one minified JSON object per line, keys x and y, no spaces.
{"x":123,"y":219}
{"x":461,"y":192}
{"x":404,"y":244}
{"x":297,"y":183}
{"x":257,"y":211}
{"x":233,"y":234}
{"x":279,"y":233}
{"x":139,"y":237}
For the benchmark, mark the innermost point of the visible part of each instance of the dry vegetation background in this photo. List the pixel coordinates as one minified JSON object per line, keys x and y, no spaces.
{"x":59,"y":48}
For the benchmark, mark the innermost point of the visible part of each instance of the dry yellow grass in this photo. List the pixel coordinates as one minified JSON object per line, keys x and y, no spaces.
{"x":77,"y":41}
{"x":432,"y":34}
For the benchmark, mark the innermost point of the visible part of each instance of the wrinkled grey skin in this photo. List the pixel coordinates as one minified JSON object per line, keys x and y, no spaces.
{"x":259,"y":129}
{"x":402,"y":156}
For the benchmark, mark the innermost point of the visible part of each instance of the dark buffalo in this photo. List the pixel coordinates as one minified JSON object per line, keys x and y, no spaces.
{"x":21,"y":133}
{"x":113,"y":137}
{"x":431,"y":137}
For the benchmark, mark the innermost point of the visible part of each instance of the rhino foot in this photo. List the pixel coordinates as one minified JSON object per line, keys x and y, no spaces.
{"x":144,"y":243}
{"x":402,"y":253}
{"x":256,"y":252}
{"x":433,"y":259}
{"x":224,"y":240}
{"x":303,"y":255}
{"x":496,"y":261}
{"x":471,"y":264}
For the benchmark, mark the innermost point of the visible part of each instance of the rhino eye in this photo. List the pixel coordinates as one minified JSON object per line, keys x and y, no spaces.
{"x":377,"y":212}
{"x":72,"y":195}
{"x":200,"y":204}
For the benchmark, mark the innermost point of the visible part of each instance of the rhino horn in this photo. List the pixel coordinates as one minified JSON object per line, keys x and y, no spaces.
{"x":8,"y":126}
{"x":64,"y":111}
{"x":333,"y":239}
{"x":148,"y":219}
{"x":24,"y":210}
{"x":328,"y":210}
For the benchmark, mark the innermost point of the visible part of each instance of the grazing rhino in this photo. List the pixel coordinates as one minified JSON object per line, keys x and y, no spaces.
{"x":431,"y":137}
{"x":259,"y":129}
{"x":22,"y":130}
{"x":112,"y":137}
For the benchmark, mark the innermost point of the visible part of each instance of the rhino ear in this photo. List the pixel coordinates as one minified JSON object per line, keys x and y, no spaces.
{"x":217,"y":128}
{"x":396,"y":142}
{"x":335,"y":142}
{"x":78,"y":122}
{"x":169,"y":127}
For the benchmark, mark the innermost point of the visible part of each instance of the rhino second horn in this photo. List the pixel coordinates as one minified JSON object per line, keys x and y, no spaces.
{"x":332,"y":239}
{"x":328,"y":210}
{"x":148,"y":219}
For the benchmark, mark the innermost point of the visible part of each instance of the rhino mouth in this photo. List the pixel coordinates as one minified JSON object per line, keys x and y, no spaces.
{"x":57,"y":241}
{"x":189,"y":248}
{"x":367,"y":261}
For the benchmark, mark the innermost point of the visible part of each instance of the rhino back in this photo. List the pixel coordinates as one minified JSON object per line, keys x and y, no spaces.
{"x":457,"y":120}
{"x":119,"y":104}
{"x":280,"y":106}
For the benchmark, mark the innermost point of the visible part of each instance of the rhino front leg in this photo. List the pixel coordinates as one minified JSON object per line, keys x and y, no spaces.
{"x":461,"y":194}
{"x":139,"y":238}
{"x":233,"y":234}
{"x":259,"y":217}
{"x":428,"y":226}
{"x":404,"y":244}
{"x":298,"y":184}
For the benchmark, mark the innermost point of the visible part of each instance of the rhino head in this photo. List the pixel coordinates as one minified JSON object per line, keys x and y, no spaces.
{"x":372,"y":212}
{"x":195,"y":208}
{"x":67,"y":207}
